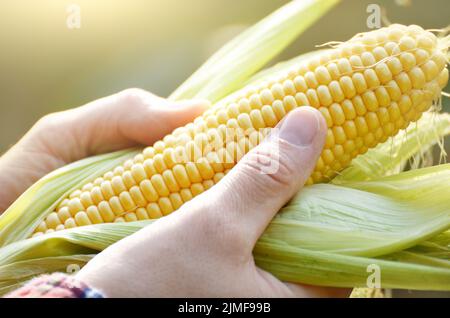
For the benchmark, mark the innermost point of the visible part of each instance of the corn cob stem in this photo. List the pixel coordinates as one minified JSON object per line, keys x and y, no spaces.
{"x":367,"y":89}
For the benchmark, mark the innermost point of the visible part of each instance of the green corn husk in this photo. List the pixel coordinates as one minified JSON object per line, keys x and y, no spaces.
{"x":247,"y":53}
{"x":25,"y":214}
{"x":390,"y":157}
{"x":394,"y":222}
{"x":327,"y":235}
{"x":368,"y":218}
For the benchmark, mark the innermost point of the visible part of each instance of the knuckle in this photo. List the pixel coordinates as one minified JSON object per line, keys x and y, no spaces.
{"x":270,"y":170}
{"x":53,"y":124}
{"x":285,"y":173}
{"x":49,"y":121}
{"x":134,"y":97}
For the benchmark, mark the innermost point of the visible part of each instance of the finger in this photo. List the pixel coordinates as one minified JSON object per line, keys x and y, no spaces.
{"x":270,"y":174}
{"x":123,"y":120}
{"x":156,"y":117}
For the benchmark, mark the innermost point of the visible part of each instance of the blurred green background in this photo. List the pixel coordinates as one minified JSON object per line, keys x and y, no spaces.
{"x":151,"y":44}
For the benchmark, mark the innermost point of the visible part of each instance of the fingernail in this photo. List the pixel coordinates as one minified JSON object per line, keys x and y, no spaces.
{"x":300,"y":126}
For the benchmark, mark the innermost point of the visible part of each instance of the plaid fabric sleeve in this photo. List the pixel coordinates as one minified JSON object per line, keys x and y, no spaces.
{"x":55,"y":285}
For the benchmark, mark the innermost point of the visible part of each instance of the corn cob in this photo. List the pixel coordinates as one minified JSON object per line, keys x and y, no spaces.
{"x":367,"y":89}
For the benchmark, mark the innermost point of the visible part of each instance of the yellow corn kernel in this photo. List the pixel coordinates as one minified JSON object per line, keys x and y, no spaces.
{"x":75,"y":194}
{"x":148,"y":191}
{"x":127,"y":202}
{"x":119,"y":220}
{"x":324,"y":95}
{"x":118,"y":185}
{"x":371,"y":78}
{"x":337,"y":114}
{"x":170,"y":181}
{"x":81,"y":219}
{"x":159,"y":185}
{"x":336,"y":91}
{"x":197,"y":188}
{"x":116,"y":206}
{"x":417,"y":77}
{"x":109,"y":175}
{"x":165,"y":205}
{"x":359,"y":82}
{"x":63,"y":214}
{"x":86,"y":199}
{"x":70,"y":223}
{"x":348,"y":109}
{"x":107,"y":189}
{"x":154,"y":211}
{"x":142,"y":214}
{"x":96,"y":195}
{"x":128,"y":179}
{"x":176,"y":200}
{"x":393,"y":90}
{"x":137,"y":196}
{"x":94,"y":215}
{"x":186,"y":195}
{"x":106,"y":212}
{"x":347,"y":86}
{"x":42,"y":227}
{"x":130,"y":217}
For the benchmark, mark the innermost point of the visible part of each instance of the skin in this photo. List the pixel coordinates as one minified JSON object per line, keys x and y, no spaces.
{"x":205,"y":248}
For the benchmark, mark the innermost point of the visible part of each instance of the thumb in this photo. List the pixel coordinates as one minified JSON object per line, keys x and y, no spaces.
{"x":271,"y":173}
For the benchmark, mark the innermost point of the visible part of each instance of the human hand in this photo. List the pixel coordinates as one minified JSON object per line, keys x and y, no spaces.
{"x":115,"y":122}
{"x":205,"y":248}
